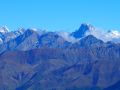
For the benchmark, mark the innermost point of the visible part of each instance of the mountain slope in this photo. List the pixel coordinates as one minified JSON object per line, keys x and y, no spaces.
{"x":59,"y":68}
{"x":40,"y":60}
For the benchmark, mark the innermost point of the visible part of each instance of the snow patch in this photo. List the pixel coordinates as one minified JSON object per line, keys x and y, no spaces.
{"x":68,"y":37}
{"x":105,"y":36}
{"x":4,"y":29}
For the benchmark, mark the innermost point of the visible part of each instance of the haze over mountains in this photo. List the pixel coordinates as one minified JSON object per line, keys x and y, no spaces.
{"x":87,"y":58}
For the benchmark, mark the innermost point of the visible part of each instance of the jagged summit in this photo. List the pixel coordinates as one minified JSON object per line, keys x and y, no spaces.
{"x":72,"y":37}
{"x":87,"y":26}
{"x":82,"y":30}
{"x":4,"y":29}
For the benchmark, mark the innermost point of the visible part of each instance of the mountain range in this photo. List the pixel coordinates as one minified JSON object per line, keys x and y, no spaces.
{"x":86,"y":59}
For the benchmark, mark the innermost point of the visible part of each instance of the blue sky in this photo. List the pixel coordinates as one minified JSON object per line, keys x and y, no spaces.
{"x":56,"y":15}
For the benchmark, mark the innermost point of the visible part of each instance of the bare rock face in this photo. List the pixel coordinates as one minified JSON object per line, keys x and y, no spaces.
{"x":84,"y":28}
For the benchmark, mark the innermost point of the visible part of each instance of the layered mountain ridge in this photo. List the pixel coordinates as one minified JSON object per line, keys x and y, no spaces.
{"x":41,"y":60}
{"x":32,"y":38}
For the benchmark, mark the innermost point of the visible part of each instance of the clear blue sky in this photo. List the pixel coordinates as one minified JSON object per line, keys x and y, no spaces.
{"x":55,"y":15}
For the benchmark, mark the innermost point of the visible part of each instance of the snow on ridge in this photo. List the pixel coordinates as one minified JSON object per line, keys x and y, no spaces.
{"x":68,"y":37}
{"x":4,"y":29}
{"x":101,"y":34}
{"x":104,"y":35}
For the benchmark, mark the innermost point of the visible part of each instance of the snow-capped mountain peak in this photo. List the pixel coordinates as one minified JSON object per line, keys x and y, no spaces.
{"x":4,"y":29}
{"x":114,"y":34}
{"x":19,"y":31}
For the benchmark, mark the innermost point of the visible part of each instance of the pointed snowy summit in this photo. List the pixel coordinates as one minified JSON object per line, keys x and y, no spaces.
{"x":4,"y":30}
